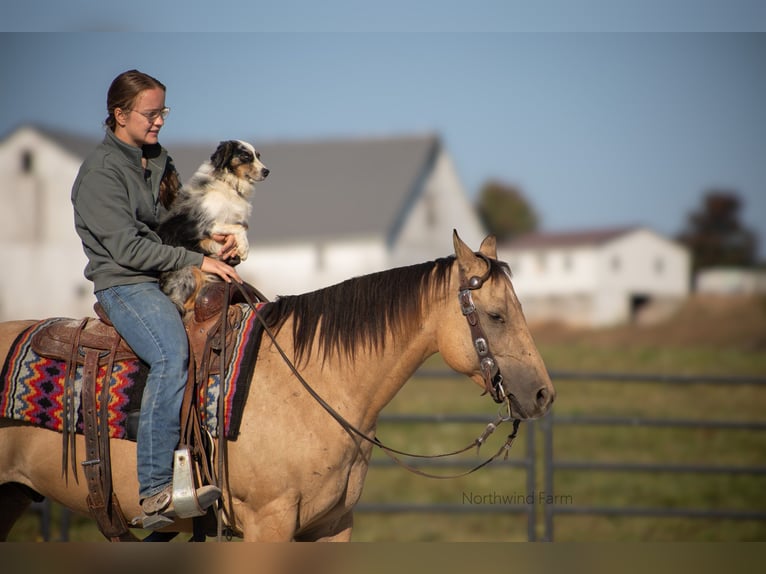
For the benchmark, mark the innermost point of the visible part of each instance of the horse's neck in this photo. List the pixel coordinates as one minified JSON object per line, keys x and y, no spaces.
{"x":385,"y":372}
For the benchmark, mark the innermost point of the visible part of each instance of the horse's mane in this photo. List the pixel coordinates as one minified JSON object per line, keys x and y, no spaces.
{"x":359,"y":312}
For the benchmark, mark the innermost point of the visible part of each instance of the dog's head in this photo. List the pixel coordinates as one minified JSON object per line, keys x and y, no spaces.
{"x":240,"y":159}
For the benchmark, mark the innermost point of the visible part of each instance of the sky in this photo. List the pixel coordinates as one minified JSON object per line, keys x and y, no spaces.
{"x":600,"y":118}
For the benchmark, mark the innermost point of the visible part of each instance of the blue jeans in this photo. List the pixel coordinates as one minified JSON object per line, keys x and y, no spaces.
{"x":150,"y":323}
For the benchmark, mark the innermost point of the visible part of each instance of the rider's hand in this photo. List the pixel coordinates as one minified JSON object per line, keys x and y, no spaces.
{"x":223,"y":270}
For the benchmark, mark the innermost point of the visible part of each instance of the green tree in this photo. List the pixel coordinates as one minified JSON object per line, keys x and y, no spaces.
{"x":715,"y":235}
{"x":504,"y":210}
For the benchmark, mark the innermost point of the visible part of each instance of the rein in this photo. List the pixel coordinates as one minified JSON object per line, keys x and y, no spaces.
{"x":491,"y":373}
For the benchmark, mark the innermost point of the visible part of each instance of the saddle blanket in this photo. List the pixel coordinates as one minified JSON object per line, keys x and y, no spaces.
{"x":32,"y":387}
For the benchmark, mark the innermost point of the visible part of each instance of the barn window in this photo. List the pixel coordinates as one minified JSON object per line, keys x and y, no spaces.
{"x":321,"y":257}
{"x":82,"y":291}
{"x":27,"y":161}
{"x":541,"y":262}
{"x":567,"y":262}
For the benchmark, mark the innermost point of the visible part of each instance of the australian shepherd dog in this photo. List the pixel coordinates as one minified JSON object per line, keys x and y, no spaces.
{"x":216,"y":200}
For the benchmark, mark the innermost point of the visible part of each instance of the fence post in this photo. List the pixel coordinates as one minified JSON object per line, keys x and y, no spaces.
{"x":531,"y":461}
{"x":548,"y":509}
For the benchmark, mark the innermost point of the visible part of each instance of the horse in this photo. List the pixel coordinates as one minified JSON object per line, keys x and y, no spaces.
{"x":293,"y":473}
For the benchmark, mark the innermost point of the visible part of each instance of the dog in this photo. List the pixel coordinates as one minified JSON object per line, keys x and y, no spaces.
{"x":216,"y":200}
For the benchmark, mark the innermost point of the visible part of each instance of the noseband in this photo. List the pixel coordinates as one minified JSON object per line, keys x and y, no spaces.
{"x":493,"y":379}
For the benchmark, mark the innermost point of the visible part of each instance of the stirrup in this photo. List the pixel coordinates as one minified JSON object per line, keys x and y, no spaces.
{"x":185,"y":501}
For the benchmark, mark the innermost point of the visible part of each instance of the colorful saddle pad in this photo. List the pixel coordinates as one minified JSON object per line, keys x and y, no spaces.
{"x":32,"y":386}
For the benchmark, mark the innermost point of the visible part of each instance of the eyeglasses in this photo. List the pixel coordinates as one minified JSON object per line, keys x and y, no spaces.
{"x":154,"y":114}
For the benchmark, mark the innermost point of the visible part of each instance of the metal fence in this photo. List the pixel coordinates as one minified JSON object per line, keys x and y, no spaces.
{"x":528,"y":463}
{"x":44,"y":511}
{"x":551,"y":463}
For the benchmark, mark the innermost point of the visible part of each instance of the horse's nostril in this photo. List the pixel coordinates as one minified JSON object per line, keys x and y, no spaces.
{"x":543,"y":397}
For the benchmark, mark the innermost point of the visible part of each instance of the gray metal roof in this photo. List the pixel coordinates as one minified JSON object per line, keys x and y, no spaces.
{"x":334,"y":188}
{"x":351,"y":187}
{"x":77,"y":144}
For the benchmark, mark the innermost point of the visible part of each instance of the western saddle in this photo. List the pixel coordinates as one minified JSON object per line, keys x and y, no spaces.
{"x":94,"y":343}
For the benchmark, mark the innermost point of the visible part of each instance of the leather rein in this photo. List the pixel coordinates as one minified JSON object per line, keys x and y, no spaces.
{"x":493,"y":381}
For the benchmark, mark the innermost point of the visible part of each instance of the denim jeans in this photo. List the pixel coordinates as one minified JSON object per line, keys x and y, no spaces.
{"x":150,"y":323}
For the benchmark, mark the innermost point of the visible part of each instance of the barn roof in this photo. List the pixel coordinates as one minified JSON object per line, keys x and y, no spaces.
{"x":317,"y":189}
{"x":329,"y":188}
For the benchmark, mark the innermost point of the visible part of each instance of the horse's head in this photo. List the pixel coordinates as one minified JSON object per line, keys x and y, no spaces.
{"x":486,"y":336}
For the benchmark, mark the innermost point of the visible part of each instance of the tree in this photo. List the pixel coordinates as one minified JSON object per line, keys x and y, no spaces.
{"x":504,"y":211}
{"x":715,"y":235}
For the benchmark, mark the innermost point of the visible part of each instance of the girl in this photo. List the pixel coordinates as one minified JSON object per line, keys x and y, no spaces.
{"x":117,"y":205}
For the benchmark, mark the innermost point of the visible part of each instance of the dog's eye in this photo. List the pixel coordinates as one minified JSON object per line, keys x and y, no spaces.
{"x":246,"y":156}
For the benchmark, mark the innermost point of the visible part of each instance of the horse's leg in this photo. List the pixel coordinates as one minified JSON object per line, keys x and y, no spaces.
{"x":14,"y":500}
{"x":274,"y":522}
{"x":338,"y":531}
{"x":343,"y":530}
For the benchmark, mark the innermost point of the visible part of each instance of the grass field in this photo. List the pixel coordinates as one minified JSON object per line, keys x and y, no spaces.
{"x":707,"y":337}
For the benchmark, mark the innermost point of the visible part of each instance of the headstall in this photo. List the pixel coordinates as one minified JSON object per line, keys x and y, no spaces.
{"x":493,"y":379}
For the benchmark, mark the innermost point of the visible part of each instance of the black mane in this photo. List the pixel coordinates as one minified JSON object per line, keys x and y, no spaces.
{"x":359,"y":312}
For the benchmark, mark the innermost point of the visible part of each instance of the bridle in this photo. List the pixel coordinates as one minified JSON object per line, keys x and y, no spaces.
{"x":493,"y":379}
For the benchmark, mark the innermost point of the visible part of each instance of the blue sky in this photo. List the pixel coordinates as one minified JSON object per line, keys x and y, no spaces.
{"x":600,"y":121}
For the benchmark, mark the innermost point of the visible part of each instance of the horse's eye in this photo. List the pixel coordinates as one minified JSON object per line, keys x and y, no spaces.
{"x":497,"y":317}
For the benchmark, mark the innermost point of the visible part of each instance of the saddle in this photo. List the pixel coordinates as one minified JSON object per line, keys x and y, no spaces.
{"x":94,"y":343}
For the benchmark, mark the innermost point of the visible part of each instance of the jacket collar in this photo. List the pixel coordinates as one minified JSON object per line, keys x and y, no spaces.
{"x":133,"y":154}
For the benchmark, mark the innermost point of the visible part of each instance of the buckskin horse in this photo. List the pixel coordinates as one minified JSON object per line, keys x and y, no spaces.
{"x":294,"y":473}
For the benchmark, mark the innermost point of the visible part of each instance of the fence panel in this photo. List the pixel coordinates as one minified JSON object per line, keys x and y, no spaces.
{"x":552,"y":464}
{"x":527,"y":463}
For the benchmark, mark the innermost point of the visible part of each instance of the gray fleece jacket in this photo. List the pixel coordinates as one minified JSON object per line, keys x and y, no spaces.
{"x":116,"y":212}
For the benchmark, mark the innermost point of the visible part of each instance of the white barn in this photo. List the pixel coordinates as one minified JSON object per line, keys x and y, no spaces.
{"x":600,"y":277}
{"x":329,"y":210}
{"x":730,"y":281}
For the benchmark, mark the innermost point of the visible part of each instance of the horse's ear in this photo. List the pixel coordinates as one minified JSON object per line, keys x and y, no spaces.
{"x":489,"y":246}
{"x":469,"y":262}
{"x":461,"y":249}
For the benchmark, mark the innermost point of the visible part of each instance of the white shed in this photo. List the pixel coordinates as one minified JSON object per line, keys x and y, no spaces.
{"x":730,"y":281}
{"x":598,"y":277}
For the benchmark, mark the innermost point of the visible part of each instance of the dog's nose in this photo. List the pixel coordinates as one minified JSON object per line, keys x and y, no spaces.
{"x":265,"y":172}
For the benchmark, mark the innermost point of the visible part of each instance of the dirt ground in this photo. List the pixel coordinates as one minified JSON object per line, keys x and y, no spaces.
{"x":703,"y":321}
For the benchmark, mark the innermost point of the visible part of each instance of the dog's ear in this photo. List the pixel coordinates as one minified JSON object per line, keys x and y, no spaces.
{"x":223,"y":154}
